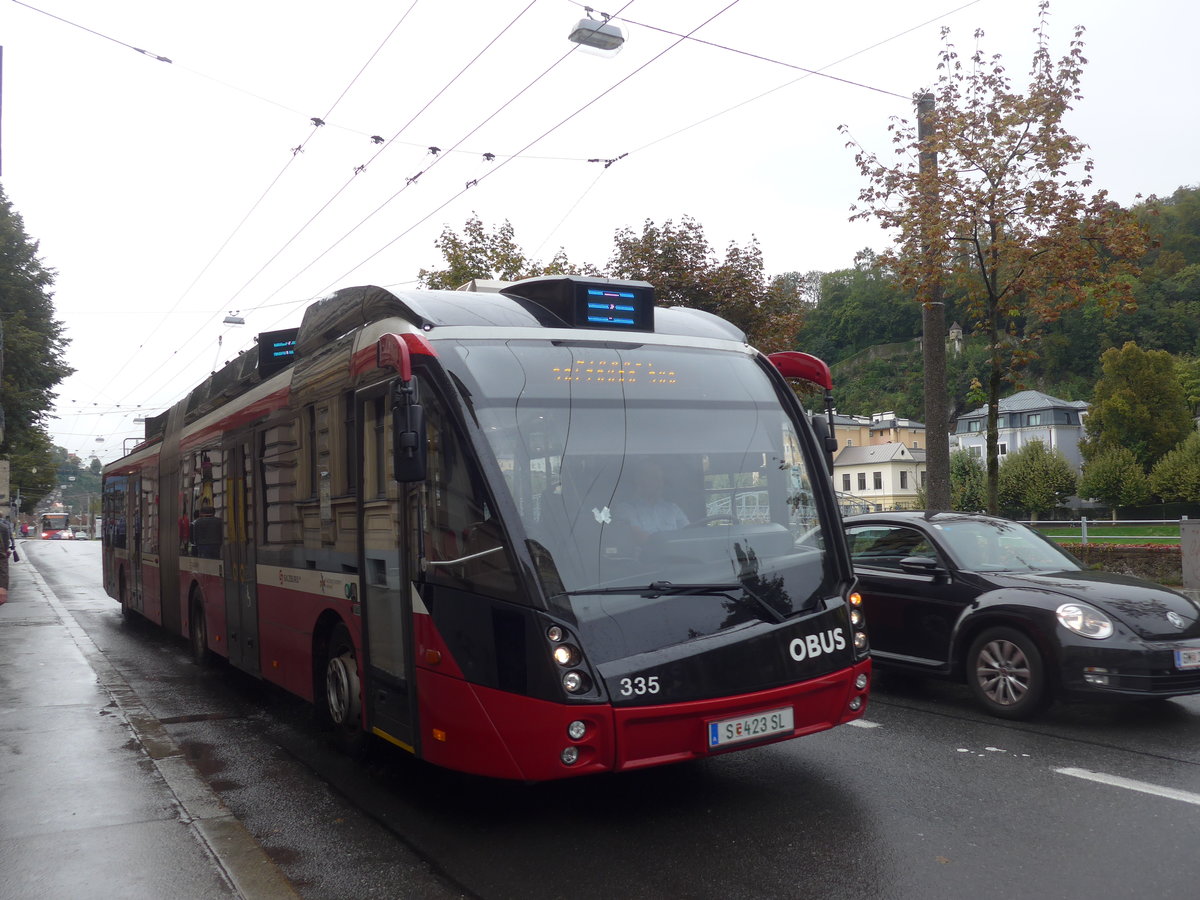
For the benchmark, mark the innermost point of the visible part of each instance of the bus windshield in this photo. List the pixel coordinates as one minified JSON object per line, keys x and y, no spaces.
{"x":636,"y":465}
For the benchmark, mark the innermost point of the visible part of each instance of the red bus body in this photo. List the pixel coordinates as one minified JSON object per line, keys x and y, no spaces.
{"x":53,"y":523}
{"x":367,"y":519}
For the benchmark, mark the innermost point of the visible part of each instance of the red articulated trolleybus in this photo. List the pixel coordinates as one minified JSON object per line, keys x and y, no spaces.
{"x":544,"y":532}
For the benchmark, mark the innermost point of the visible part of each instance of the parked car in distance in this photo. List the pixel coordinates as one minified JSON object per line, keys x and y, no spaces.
{"x":995,"y":604}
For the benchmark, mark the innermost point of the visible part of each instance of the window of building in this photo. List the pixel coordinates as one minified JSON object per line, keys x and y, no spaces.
{"x":849,"y":443}
{"x":862,"y":481}
{"x":310,"y":439}
{"x":923,"y":479}
{"x":903,"y":480}
{"x":916,"y":445}
{"x":846,"y":481}
{"x":975,"y":425}
{"x":975,"y":451}
{"x":877,"y":480}
{"x":349,"y":445}
{"x":1034,"y":419}
{"x":1002,"y":449}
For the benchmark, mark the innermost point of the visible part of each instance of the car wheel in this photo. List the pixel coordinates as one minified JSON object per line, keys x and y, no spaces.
{"x":340,"y":703}
{"x":1006,"y":674}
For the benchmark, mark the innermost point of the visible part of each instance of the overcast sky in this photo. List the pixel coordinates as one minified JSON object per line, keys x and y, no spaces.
{"x":167,"y":195}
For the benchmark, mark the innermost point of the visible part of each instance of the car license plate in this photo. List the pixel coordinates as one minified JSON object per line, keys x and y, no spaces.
{"x":1187,"y":658}
{"x":750,"y":728}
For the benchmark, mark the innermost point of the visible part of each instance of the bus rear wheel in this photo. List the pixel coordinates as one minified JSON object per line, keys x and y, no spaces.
{"x":198,"y":633}
{"x":340,"y":703}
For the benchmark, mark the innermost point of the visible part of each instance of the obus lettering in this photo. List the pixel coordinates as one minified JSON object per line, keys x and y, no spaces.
{"x":813,"y":645}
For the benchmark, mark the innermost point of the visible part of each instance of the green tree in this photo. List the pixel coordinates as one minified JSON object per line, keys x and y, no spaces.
{"x":34,"y":352}
{"x":1177,"y":475}
{"x":1035,"y":480}
{"x":1115,"y":478}
{"x":478,"y":253}
{"x":858,"y":308}
{"x":1138,"y":403}
{"x":684,"y":269}
{"x":968,"y":482}
{"x":1003,"y":213}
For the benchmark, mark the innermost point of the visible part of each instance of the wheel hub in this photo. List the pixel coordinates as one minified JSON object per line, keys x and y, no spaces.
{"x":341,"y":689}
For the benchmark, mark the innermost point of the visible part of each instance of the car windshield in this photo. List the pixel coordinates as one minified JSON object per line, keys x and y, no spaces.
{"x":634,"y":465}
{"x":994,"y":545}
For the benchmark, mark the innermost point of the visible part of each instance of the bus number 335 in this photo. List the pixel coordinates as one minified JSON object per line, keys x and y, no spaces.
{"x":639,"y":685}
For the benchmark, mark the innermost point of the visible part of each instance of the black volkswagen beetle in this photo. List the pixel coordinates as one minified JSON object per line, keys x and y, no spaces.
{"x":996,"y":604}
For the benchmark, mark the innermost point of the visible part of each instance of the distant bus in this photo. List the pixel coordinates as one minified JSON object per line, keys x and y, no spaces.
{"x":53,"y":523}
{"x":418,"y":512}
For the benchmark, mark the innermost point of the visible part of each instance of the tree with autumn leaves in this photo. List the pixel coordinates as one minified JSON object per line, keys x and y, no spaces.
{"x":676,"y":258}
{"x":1007,"y":219}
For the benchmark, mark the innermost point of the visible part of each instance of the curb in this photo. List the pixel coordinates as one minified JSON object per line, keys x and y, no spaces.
{"x":247,"y":867}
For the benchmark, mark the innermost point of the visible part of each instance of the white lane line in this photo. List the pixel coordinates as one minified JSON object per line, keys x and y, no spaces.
{"x":1130,"y":784}
{"x":863,"y":723}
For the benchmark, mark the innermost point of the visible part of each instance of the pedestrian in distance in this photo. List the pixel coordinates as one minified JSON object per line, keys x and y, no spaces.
{"x":9,"y":545}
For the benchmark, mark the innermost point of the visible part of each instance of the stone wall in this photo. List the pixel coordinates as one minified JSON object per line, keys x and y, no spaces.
{"x":1162,"y":563}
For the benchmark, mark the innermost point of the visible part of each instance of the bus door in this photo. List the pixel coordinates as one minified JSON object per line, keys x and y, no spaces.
{"x":133,"y":517}
{"x":241,"y":596}
{"x":386,"y":589}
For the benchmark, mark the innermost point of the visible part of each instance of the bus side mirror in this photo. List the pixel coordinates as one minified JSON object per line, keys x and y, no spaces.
{"x":409,"y":447}
{"x":827,"y":442}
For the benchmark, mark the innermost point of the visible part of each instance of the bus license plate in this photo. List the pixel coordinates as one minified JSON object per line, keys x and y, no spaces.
{"x":750,"y":728}
{"x":1188,"y":658}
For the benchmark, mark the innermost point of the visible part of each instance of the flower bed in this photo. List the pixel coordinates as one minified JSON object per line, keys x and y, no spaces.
{"x":1161,"y":563}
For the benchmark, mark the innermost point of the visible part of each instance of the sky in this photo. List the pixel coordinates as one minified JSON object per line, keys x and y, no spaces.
{"x":168,"y":195}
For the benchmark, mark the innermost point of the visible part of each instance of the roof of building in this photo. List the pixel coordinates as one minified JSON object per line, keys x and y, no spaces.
{"x":1028,"y":401}
{"x":878,"y":453}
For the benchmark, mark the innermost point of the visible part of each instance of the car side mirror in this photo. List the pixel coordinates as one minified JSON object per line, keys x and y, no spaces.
{"x":921,"y":565}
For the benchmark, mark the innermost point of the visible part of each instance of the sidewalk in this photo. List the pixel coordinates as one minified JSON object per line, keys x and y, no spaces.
{"x":96,"y":800}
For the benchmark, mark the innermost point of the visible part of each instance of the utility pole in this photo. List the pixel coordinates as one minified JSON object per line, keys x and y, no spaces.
{"x":933,"y":321}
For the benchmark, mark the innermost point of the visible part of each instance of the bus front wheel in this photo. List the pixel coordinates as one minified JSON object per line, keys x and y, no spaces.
{"x":341,"y":701}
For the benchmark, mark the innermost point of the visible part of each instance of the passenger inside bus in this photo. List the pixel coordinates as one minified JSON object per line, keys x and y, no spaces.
{"x":644,"y":507}
{"x":206,"y":534}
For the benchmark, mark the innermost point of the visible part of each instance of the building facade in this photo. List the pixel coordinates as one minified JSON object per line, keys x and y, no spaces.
{"x":888,"y":475}
{"x":1025,"y":416}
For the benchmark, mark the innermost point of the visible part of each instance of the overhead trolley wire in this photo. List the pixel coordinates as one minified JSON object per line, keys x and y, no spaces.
{"x":359,"y":170}
{"x":291,"y":159}
{"x":536,"y":140}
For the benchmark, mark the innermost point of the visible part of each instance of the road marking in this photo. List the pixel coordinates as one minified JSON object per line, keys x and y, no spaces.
{"x":1130,"y":784}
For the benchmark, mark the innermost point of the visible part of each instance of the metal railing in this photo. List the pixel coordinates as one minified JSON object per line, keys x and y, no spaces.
{"x":1103,"y":525}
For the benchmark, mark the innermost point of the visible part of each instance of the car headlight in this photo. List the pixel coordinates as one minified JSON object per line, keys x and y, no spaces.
{"x":1086,"y":621}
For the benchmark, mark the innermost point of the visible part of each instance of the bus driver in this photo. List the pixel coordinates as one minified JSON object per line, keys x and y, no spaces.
{"x":646,"y":510}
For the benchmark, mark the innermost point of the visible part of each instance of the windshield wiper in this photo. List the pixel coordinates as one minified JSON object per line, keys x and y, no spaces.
{"x":658,"y":589}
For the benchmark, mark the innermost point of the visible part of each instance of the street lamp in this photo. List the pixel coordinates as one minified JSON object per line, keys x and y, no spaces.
{"x":600,"y":35}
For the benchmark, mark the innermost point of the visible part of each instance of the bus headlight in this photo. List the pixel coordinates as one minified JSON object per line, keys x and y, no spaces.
{"x":566,"y":655}
{"x":576,"y":682}
{"x":576,"y":730}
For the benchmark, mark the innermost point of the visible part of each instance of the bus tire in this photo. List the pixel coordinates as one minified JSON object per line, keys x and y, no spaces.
{"x":339,"y":702}
{"x":198,"y":633}
{"x":127,"y":612}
